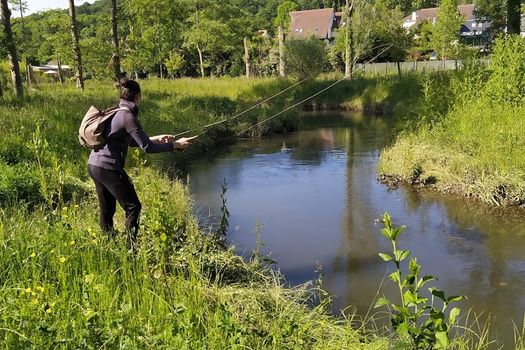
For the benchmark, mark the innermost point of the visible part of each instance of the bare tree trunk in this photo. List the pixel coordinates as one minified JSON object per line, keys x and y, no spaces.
{"x":201,"y":60}
{"x":5,"y":17}
{"x":282,"y":68}
{"x":1,"y":90}
{"x":513,"y":17}
{"x":115,"y":59}
{"x":247,"y":58}
{"x":161,"y":70}
{"x":29,"y":75}
{"x":76,"y":45}
{"x":399,"y":69}
{"x":349,"y":59}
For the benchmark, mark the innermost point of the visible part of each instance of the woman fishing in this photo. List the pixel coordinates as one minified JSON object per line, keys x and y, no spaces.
{"x":106,"y":165}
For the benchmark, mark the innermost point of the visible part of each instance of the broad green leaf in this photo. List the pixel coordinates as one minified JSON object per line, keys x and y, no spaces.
{"x":395,"y":276}
{"x":397,"y":231}
{"x":402,"y":329}
{"x":438,"y":293}
{"x":386,"y":232}
{"x":414,"y":267}
{"x":442,"y":340}
{"x":401,"y":254}
{"x":385,"y":257}
{"x":409,"y":280}
{"x":381,"y":302}
{"x":409,"y":297}
{"x":454,"y":313}
{"x":402,"y":310}
{"x":425,"y":280}
{"x":455,"y":298}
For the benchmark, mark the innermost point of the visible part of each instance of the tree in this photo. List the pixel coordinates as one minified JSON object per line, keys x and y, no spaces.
{"x":513,"y":17}
{"x":5,"y":16}
{"x":306,"y":58}
{"x":445,"y":36}
{"x":115,"y":58}
{"x":214,"y":32}
{"x":282,"y":21}
{"x":494,"y":11}
{"x":77,"y":55}
{"x":358,"y":31}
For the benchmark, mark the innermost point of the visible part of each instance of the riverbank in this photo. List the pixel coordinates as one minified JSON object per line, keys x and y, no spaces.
{"x":466,"y":137}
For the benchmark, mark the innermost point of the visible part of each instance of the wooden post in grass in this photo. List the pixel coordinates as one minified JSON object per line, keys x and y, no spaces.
{"x":247,"y":58}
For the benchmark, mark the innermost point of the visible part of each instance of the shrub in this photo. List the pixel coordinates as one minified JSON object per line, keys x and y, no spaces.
{"x":306,"y":58}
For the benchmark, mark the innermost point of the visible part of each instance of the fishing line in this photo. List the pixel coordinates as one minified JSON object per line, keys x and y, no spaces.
{"x":205,"y":127}
{"x":314,"y":95}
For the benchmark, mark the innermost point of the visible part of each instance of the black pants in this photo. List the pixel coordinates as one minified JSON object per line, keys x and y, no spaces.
{"x":113,"y":186}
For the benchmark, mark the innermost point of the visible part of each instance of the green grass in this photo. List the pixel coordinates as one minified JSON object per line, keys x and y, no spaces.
{"x":466,"y":135}
{"x":67,"y":285}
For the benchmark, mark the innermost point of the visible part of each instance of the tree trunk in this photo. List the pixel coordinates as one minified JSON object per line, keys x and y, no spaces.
{"x":115,"y":59}
{"x":76,"y":45}
{"x":200,"y":60}
{"x":349,"y":64}
{"x":5,"y":17}
{"x":399,"y":70}
{"x":513,"y":17}
{"x":282,"y":67}
{"x":161,"y":70}
{"x":247,"y":58}
{"x":29,"y":75}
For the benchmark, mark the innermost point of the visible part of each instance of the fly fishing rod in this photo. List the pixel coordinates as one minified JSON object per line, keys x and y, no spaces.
{"x":317,"y":93}
{"x":206,"y":127}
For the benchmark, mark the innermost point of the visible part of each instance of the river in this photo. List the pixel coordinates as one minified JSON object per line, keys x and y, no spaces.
{"x":315,"y":198}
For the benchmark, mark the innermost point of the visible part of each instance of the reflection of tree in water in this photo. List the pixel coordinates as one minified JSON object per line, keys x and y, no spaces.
{"x":356,"y":259}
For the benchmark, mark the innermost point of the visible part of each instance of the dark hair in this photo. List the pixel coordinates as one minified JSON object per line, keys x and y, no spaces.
{"x":129,"y":90}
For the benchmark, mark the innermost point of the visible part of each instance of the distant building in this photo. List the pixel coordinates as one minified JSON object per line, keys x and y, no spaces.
{"x":319,"y":23}
{"x":474,"y":31}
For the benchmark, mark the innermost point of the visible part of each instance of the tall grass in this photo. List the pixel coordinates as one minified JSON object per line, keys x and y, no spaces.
{"x":474,"y":145}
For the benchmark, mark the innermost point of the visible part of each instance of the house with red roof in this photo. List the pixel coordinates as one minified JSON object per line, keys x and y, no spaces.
{"x":320,"y":23}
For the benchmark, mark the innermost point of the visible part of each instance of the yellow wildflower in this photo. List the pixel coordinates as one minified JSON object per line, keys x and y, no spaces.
{"x":62,"y":259}
{"x":72,"y":242}
{"x":34,"y":301}
{"x":33,"y":254}
{"x":41,"y":289}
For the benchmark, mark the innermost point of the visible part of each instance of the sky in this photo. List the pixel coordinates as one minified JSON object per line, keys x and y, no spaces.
{"x":41,"y":5}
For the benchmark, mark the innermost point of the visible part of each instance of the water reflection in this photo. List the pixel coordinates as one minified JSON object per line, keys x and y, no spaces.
{"x":316,"y":195}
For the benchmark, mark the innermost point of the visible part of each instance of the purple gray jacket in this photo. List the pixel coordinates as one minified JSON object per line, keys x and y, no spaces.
{"x":122,"y":132}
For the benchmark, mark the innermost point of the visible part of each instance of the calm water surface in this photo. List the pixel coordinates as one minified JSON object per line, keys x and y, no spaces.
{"x":316,"y":196}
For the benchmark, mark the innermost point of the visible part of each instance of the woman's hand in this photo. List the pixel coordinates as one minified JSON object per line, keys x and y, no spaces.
{"x":183,"y":142}
{"x":162,"y":139}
